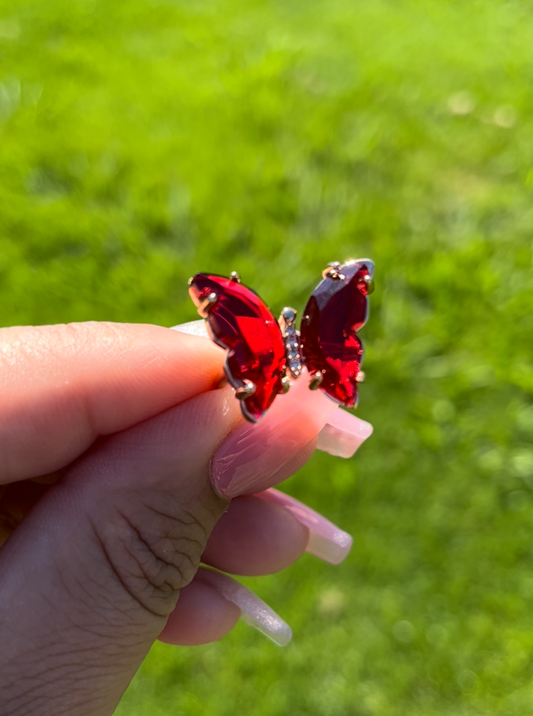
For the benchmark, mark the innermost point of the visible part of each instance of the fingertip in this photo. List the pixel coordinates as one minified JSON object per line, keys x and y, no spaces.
{"x":252,"y":455}
{"x":326,"y":541}
{"x":255,"y":537}
{"x":87,"y":380}
{"x":201,"y":616}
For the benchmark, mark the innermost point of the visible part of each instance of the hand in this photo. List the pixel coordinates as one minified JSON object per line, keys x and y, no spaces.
{"x":112,"y":439}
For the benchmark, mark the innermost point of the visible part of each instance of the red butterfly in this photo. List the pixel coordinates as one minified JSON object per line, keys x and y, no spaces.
{"x":265,"y":354}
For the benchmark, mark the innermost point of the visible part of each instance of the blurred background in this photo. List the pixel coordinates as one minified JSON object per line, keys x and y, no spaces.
{"x":143,"y":140}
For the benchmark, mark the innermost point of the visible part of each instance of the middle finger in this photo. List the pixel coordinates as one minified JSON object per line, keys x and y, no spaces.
{"x":265,"y":533}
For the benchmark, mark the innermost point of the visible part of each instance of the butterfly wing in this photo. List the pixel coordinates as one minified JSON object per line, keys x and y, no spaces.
{"x":239,"y":321}
{"x":337,"y":309}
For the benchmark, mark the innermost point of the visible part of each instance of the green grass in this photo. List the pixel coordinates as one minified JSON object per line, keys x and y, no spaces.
{"x":143,"y":141}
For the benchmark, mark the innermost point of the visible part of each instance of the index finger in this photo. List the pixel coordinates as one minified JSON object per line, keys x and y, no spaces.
{"x":63,"y":386}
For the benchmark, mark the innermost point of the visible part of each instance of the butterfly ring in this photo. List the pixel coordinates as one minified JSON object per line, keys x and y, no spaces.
{"x":265,"y":355}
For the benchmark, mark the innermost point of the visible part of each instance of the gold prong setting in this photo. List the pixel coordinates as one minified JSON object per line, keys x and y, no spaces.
{"x":369,"y":283}
{"x":316,"y":380}
{"x":206,"y":304}
{"x":234,"y":276}
{"x":285,"y":384}
{"x":333,"y":271}
{"x":247,"y":389}
{"x":291,"y":339}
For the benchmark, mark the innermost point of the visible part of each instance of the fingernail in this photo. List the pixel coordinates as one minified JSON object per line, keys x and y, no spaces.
{"x":326,"y":540}
{"x":252,"y":454}
{"x":343,"y":434}
{"x":254,"y":611}
{"x":195,"y":328}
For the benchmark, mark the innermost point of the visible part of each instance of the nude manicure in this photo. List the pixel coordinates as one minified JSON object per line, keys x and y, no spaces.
{"x":326,"y":541}
{"x":252,"y":454}
{"x":254,"y":611}
{"x":343,"y":434}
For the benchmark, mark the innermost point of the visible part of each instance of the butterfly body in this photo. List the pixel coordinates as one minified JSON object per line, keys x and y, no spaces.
{"x":264,"y":354}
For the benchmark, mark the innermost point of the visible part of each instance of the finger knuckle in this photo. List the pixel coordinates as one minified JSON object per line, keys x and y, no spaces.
{"x":154,"y":550}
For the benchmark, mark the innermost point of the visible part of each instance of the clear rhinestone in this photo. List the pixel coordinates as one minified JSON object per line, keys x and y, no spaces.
{"x":289,"y":314}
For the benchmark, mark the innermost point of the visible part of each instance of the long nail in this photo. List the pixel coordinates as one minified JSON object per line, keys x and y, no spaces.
{"x":343,"y":434}
{"x":195,"y":328}
{"x":254,"y":611}
{"x":326,"y":540}
{"x":252,"y":454}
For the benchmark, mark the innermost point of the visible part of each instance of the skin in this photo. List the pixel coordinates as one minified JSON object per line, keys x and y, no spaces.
{"x":106,"y":437}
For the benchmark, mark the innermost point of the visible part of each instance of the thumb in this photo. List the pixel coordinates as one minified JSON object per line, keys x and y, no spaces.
{"x":90,"y":577}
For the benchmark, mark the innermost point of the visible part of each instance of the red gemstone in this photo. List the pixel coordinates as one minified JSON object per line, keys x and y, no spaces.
{"x":336,"y":310}
{"x":242,"y":323}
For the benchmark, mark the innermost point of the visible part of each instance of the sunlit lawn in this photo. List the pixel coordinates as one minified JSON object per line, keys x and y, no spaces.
{"x":143,"y":141}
